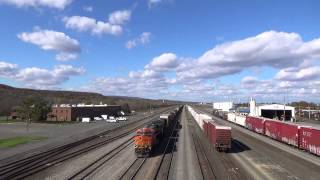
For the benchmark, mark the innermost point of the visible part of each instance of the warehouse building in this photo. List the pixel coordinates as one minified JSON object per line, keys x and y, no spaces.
{"x":272,"y":111}
{"x":77,"y":112}
{"x":223,"y":106}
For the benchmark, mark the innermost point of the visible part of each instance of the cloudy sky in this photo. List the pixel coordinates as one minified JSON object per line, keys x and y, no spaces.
{"x":184,"y":50}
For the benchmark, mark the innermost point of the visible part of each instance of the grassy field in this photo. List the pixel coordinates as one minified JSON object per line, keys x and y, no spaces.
{"x":12,"y":142}
{"x":5,"y":121}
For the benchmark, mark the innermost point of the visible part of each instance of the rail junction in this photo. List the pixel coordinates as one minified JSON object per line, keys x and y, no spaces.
{"x":183,"y":153}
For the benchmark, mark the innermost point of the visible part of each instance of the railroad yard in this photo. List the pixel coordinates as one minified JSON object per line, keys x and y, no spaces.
{"x":159,"y":90}
{"x":184,"y":152}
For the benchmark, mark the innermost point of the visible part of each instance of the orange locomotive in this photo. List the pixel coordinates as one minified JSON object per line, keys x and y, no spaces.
{"x":148,"y":137}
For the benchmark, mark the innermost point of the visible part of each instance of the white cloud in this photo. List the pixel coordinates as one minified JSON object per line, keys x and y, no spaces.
{"x":146,"y":83}
{"x":144,"y":38}
{"x":7,"y":69}
{"x":39,"y":77}
{"x":304,"y":74}
{"x":58,"y":4}
{"x":152,"y":3}
{"x":249,"y":82}
{"x":168,"y":75}
{"x":66,"y":56}
{"x":88,"y":8}
{"x":164,"y":62}
{"x":83,"y":24}
{"x":49,"y":40}
{"x":120,"y":17}
{"x":272,"y":49}
{"x":44,"y":77}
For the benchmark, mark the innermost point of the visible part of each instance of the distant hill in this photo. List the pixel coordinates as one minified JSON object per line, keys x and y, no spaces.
{"x":11,"y":97}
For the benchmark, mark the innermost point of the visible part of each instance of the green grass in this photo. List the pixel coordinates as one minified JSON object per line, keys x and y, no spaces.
{"x":5,"y":121}
{"x":12,"y":142}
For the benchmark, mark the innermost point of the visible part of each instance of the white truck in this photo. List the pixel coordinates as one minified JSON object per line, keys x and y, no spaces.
{"x":86,"y":119}
{"x":121,"y":118}
{"x":111,"y":119}
{"x":97,"y":118}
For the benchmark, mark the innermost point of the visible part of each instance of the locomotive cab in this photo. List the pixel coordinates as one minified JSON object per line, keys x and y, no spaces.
{"x":144,"y":141}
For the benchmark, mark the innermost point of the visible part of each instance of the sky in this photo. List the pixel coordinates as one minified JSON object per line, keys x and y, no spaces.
{"x":164,"y":49}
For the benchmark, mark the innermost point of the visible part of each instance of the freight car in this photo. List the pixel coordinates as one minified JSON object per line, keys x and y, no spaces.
{"x":148,"y":137}
{"x":281,"y":131}
{"x":309,"y":139}
{"x":301,"y":136}
{"x":219,"y":136}
{"x":167,"y":118}
{"x":255,"y":124}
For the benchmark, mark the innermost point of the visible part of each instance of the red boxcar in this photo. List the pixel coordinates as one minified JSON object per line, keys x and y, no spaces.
{"x":220,"y":136}
{"x":255,"y":124}
{"x":310,"y":139}
{"x":281,"y":131}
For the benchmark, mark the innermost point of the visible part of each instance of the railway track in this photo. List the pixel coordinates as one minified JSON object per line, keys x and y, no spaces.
{"x":206,"y":168}
{"x":28,"y":166}
{"x":162,"y":170}
{"x":133,"y":169}
{"x":232,"y":170}
{"x":97,"y":164}
{"x":160,"y":163}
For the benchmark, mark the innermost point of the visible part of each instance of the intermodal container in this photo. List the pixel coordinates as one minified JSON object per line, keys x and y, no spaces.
{"x":205,"y":127}
{"x":255,"y":124}
{"x":310,"y":140}
{"x":281,"y":131}
{"x":220,"y":136}
{"x":240,"y":120}
{"x":231,"y":117}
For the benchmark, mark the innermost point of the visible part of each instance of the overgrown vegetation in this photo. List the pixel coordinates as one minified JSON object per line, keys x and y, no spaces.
{"x":305,"y":105}
{"x":12,"y":142}
{"x":11,"y":97}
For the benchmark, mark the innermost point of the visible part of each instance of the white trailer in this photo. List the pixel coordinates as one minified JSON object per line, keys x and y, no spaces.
{"x":105,"y":117}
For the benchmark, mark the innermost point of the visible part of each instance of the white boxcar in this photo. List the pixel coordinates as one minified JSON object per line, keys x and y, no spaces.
{"x":232,"y":117}
{"x":241,"y":120}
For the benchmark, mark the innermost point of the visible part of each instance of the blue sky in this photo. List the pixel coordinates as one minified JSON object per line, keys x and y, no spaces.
{"x":185,"y":50}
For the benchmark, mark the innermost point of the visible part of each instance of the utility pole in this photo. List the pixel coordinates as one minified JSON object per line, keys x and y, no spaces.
{"x":309,"y":113}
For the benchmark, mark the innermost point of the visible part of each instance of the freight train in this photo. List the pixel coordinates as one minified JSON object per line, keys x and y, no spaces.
{"x":147,"y":138}
{"x":218,"y":135}
{"x":304,"y":137}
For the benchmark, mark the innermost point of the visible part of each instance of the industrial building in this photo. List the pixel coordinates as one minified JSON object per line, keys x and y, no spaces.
{"x":223,"y":106}
{"x":272,"y":111}
{"x":77,"y":112}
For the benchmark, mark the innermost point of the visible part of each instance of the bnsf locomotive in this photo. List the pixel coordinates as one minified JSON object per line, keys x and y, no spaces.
{"x":148,"y":137}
